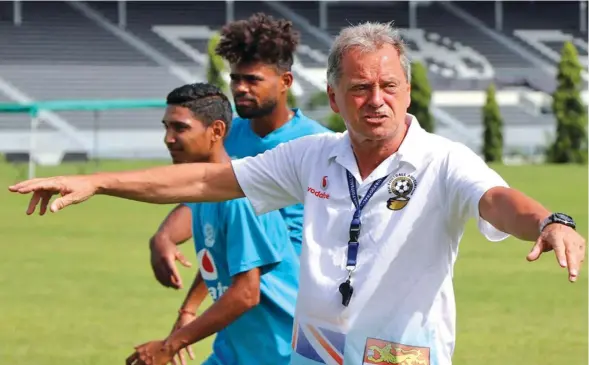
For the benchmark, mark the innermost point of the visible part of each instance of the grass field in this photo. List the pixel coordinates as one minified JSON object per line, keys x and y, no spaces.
{"x":76,"y":287}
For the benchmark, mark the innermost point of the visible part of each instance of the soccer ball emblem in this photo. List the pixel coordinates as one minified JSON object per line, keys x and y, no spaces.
{"x":402,"y":186}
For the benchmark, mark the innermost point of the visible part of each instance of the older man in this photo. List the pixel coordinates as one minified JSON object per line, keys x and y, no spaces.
{"x":385,"y":207}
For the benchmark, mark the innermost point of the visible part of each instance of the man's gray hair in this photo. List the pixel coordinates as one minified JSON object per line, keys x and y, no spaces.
{"x":367,"y":37}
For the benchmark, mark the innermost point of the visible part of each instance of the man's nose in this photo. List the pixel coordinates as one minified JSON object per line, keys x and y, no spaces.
{"x":240,"y":88}
{"x":376,"y":99}
{"x":169,"y":137}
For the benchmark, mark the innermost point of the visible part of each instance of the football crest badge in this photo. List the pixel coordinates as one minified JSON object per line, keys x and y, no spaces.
{"x":401,"y":187}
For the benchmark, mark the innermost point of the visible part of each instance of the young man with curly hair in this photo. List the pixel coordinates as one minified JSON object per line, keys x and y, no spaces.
{"x":248,"y":265}
{"x":260,"y":52}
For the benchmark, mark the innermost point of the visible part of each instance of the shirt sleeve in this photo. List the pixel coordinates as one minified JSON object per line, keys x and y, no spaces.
{"x":253,"y":241}
{"x":272,"y":180}
{"x":468,"y":178}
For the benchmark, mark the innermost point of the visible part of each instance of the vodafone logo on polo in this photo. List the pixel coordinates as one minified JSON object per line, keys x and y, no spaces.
{"x":318,"y":193}
{"x":208,"y":269}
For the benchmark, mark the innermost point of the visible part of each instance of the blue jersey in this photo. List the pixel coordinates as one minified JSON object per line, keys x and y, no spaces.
{"x":230,"y":239}
{"x":243,"y":142}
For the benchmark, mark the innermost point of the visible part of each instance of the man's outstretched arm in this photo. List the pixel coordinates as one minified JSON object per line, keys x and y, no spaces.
{"x":513,"y":212}
{"x":519,"y":215}
{"x":172,"y":184}
{"x":476,"y":191}
{"x":272,"y":180}
{"x":195,"y":182}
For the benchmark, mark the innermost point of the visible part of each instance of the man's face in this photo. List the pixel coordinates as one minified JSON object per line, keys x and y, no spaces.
{"x":372,"y":94}
{"x":256,"y":88}
{"x":187,"y":138}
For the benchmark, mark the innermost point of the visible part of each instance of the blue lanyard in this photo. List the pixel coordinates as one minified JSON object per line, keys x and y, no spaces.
{"x":353,"y":244}
{"x":346,"y":288}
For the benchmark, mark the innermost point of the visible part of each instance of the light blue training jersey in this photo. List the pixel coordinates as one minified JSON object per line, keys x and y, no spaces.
{"x":230,"y":239}
{"x":243,"y":142}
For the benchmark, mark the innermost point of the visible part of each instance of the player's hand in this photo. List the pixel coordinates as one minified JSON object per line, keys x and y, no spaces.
{"x":183,"y":319}
{"x":151,"y":353}
{"x":164,"y":253}
{"x":568,"y":246}
{"x":73,"y":190}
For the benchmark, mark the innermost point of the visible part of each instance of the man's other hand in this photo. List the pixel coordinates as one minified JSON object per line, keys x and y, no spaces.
{"x":184,"y":318}
{"x":164,"y":253}
{"x":152,"y":353}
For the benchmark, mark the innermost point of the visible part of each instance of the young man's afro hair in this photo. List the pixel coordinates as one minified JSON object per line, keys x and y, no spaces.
{"x":260,"y":38}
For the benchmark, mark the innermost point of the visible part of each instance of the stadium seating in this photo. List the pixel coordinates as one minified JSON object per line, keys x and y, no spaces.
{"x":538,"y":27}
{"x":158,"y":26}
{"x":142,"y":16}
{"x":41,"y":38}
{"x":77,"y":50}
{"x":91,"y":64}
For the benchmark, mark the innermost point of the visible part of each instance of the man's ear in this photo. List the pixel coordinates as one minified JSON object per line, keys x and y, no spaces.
{"x":287,"y":80}
{"x":331,"y":96}
{"x":219,"y":129}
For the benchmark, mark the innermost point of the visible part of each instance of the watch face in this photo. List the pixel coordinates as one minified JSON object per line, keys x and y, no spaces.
{"x":559,"y":218}
{"x":563,"y":217}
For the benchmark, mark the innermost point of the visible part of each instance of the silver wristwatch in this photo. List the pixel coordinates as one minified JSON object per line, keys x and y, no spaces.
{"x":559,"y":218}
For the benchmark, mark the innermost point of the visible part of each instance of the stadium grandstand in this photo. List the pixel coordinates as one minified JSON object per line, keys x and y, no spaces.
{"x":120,"y":50}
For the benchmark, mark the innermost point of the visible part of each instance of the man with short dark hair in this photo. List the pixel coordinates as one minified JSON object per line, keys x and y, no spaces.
{"x":260,"y":51}
{"x":246,"y":263}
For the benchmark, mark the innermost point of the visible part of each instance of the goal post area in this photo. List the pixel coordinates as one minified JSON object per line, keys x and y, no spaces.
{"x":86,"y":143}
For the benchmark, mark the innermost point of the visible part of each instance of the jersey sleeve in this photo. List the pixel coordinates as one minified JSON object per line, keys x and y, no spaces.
{"x":272,"y":180}
{"x":252,"y":240}
{"x":468,"y":178}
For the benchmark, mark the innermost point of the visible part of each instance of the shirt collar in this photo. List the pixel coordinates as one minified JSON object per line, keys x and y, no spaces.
{"x":411,"y":151}
{"x":297,"y":113}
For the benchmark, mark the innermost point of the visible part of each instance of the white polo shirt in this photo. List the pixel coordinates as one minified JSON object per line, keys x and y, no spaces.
{"x":402,"y":310}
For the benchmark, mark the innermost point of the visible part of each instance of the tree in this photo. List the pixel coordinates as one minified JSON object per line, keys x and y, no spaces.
{"x":493,"y":128}
{"x":291,"y":99}
{"x":335,"y":122}
{"x":421,"y":94}
{"x":216,"y":65}
{"x":317,"y":100}
{"x":570,"y":144}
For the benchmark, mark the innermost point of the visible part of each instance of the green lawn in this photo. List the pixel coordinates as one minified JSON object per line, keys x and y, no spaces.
{"x":76,"y":287}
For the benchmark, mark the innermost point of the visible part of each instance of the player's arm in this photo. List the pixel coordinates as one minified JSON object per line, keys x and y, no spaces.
{"x":187,"y":312}
{"x":176,"y":227}
{"x":241,"y":296}
{"x":475,"y":190}
{"x":513,"y":212}
{"x":195,"y":296}
{"x":174,"y":230}
{"x":250,"y":251}
{"x":271,"y":180}
{"x":195,"y":182}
